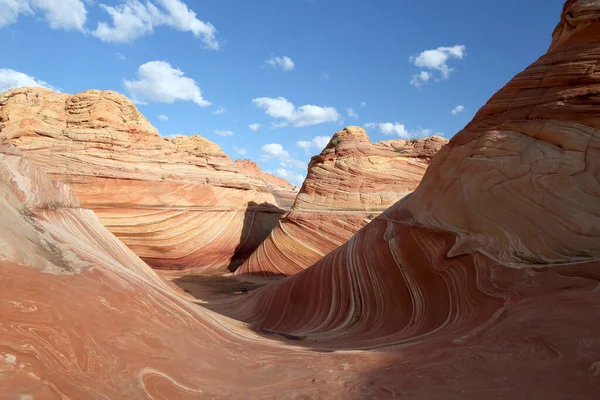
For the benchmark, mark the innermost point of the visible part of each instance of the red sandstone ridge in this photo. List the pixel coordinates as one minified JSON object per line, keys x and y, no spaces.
{"x":178,"y":203}
{"x":482,"y":284}
{"x":82,"y":317}
{"x":348,"y":184}
{"x":486,"y":277}
{"x":282,"y":190}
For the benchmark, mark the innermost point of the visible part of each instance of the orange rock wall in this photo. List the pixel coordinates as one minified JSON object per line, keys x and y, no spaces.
{"x":348,"y":184}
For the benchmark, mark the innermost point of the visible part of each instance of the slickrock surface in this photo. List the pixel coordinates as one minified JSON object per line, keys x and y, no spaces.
{"x":82,"y":317}
{"x":481,"y":303}
{"x":348,"y":184}
{"x":494,"y":260}
{"x":178,"y":203}
{"x":284,"y":193}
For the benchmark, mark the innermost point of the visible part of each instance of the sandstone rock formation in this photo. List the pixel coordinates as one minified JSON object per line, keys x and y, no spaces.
{"x":487,"y":285}
{"x":284,"y":193}
{"x":493,"y":262}
{"x":178,"y":203}
{"x":82,"y":317}
{"x":348,"y":184}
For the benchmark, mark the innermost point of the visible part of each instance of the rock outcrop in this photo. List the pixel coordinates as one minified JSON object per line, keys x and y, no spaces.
{"x":493,"y":262}
{"x":483,"y":283}
{"x":351,"y":182}
{"x":284,"y":193}
{"x":82,"y":317}
{"x":179,"y":203}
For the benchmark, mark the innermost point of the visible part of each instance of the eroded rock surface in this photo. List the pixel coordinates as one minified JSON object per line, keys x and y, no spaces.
{"x":462,"y":301}
{"x":82,"y":317}
{"x":284,"y":193}
{"x":493,"y":261}
{"x":351,"y":182}
{"x":179,"y":203}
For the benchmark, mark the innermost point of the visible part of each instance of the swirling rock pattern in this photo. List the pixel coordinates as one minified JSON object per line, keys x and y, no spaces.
{"x":348,"y":184}
{"x":496,"y":251}
{"x":83,"y":317}
{"x":475,"y":310}
{"x":180,"y":203}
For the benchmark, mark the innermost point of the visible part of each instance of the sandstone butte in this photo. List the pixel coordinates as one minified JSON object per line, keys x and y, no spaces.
{"x":282,"y":190}
{"x":178,"y":203}
{"x":351,"y":182}
{"x":482,"y":284}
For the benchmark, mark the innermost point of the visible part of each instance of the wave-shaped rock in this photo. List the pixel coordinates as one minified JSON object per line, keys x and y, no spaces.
{"x":82,"y":317}
{"x":493,"y":262}
{"x":478,"y":305}
{"x":348,"y":184}
{"x":179,"y":203}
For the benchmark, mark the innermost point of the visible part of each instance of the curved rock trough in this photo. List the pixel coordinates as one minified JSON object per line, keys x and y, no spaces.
{"x":481,"y":284}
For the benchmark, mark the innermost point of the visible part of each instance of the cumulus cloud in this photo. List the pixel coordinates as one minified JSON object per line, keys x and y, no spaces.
{"x":223,"y":132}
{"x":458,"y":109}
{"x":60,"y":14}
{"x":318,"y":142}
{"x":220,"y":110}
{"x":240,"y":151}
{"x":276,"y":151}
{"x":281,"y":108}
{"x":254,"y":127}
{"x":352,"y":113}
{"x":161,"y":83}
{"x":134,"y":19}
{"x":436,"y":60}
{"x":285,"y":63}
{"x":363,"y":104}
{"x":420,"y":79}
{"x":292,"y":177}
{"x":10,"y":79}
{"x":398,"y":129}
{"x":163,"y":117}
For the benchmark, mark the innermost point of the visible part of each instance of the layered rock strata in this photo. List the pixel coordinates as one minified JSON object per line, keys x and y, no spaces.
{"x":179,"y":203}
{"x":348,"y":184}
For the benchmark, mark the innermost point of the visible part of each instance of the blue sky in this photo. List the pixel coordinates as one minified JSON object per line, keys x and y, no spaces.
{"x":295,"y":67}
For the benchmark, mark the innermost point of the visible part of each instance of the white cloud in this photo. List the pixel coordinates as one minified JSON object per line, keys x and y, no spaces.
{"x":352,"y":113}
{"x":363,"y":104}
{"x":120,"y":56}
{"x":240,"y":151}
{"x":10,"y":10}
{"x":254,"y":127}
{"x":420,"y":79}
{"x":223,"y":132}
{"x":458,"y":109}
{"x":10,"y":79}
{"x":163,"y":117}
{"x":60,"y":14}
{"x":436,"y":60}
{"x":220,"y":110}
{"x":292,"y":177}
{"x":159,"y":82}
{"x":318,"y":142}
{"x":276,"y":151}
{"x":307,"y":115}
{"x":398,"y":129}
{"x":285,"y":63}
{"x":134,"y":19}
